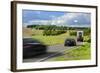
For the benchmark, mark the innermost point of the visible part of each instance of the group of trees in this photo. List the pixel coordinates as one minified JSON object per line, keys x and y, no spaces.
{"x":56,"y":30}
{"x":53,"y":32}
{"x":49,"y":29}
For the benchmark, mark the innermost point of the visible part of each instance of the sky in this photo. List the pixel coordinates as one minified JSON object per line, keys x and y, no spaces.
{"x":59,"y":18}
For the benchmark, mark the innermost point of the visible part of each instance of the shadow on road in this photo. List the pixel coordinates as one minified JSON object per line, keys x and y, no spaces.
{"x":42,"y":57}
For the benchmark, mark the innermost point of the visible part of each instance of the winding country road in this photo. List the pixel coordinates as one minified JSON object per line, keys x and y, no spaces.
{"x":52,"y":51}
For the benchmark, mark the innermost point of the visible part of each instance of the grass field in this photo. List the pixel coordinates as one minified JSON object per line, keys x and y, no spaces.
{"x":80,"y":53}
{"x":51,"y":40}
{"x":37,"y":32}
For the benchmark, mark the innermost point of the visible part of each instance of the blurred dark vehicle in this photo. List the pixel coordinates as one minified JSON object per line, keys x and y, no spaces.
{"x":70,"y":42}
{"x":32,"y":47}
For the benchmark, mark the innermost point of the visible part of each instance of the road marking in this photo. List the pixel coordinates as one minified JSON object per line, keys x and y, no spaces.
{"x":43,"y":59}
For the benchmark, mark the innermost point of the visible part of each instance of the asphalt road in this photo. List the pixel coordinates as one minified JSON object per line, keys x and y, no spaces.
{"x":52,"y":51}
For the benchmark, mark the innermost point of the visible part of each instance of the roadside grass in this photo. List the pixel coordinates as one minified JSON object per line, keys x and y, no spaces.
{"x":80,"y":53}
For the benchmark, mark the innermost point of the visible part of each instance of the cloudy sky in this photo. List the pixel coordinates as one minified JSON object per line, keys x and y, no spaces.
{"x":71,"y":19}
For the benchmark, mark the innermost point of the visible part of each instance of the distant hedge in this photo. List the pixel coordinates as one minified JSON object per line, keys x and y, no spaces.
{"x":47,"y":27}
{"x":87,"y":32}
{"x":53,"y":32}
{"x":73,"y":33}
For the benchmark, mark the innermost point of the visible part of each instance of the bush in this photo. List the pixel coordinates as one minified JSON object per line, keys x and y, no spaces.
{"x":73,"y":33}
{"x":87,"y":32}
{"x":53,"y":32}
{"x":87,"y":39}
{"x":46,"y":32}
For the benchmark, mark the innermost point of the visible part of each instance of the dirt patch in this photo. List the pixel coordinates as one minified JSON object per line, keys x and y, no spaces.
{"x":27,"y":32}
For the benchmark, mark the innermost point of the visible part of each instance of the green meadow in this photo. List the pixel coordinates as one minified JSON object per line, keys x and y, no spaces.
{"x":51,"y":40}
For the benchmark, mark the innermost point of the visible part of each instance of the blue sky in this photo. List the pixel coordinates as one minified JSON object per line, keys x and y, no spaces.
{"x":59,"y":18}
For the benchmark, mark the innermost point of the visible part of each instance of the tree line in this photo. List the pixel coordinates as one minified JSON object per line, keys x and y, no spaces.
{"x":47,"y":27}
{"x":56,"y":30}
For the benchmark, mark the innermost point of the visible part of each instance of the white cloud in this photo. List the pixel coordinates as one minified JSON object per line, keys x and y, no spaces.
{"x":75,"y":21}
{"x":38,"y":22}
{"x":68,"y":16}
{"x":62,"y":20}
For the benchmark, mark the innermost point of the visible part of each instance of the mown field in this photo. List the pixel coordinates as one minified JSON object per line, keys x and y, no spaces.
{"x":51,"y":40}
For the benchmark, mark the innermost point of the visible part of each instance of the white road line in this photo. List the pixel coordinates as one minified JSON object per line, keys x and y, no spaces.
{"x":43,"y":59}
